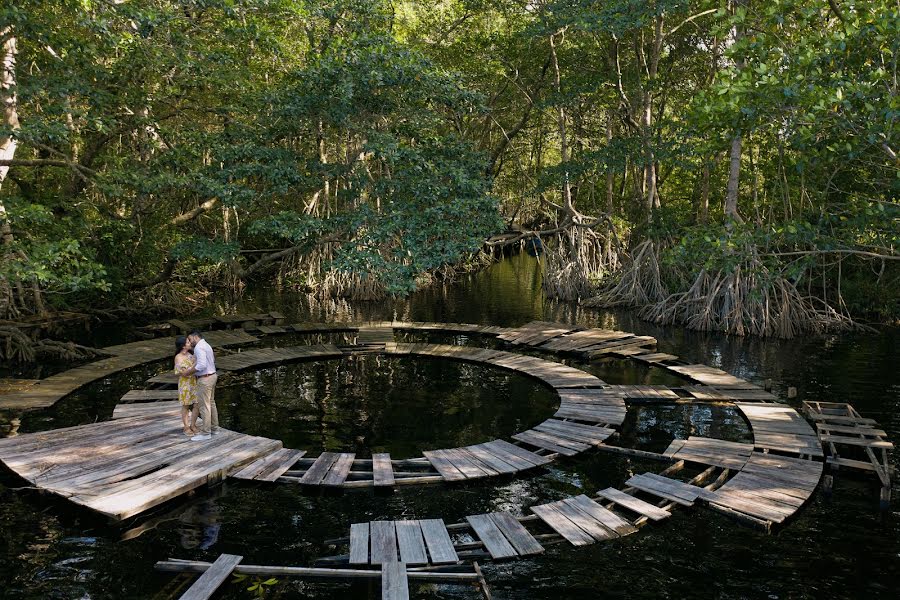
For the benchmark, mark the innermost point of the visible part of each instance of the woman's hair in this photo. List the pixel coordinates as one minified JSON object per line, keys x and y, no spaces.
{"x":180,"y":341}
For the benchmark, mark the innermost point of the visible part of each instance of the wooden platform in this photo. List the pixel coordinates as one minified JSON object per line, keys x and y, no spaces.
{"x":414,"y":542}
{"x":709,"y":451}
{"x":47,"y":392}
{"x":768,"y":488}
{"x":841,"y":429}
{"x":126,"y":466}
{"x":781,"y":428}
{"x":272,"y":356}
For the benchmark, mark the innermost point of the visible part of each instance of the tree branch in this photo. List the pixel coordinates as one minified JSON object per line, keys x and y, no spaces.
{"x":193,"y":214}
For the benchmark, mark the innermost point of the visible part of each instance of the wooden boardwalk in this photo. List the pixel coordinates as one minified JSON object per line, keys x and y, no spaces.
{"x":47,"y":392}
{"x":853,"y":442}
{"x":126,"y":466}
{"x":259,"y":357}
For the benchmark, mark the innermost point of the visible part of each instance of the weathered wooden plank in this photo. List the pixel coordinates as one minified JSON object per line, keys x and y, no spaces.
{"x":339,"y":471}
{"x":382,"y":470}
{"x":502,"y":446}
{"x":552,"y":516}
{"x":466,"y":465}
{"x":488,"y":532}
{"x":412,"y":546}
{"x":394,"y":583}
{"x":519,"y":537}
{"x":855,"y":441}
{"x":490,"y":459}
{"x":634,"y":504}
{"x":442,"y":464}
{"x":437,"y":538}
{"x":319,"y":469}
{"x":277,"y":468}
{"x":383,"y":540}
{"x":207,"y":584}
{"x":584,"y":521}
{"x":359,"y":544}
{"x":605,"y":516}
{"x":536,"y":438}
{"x":654,"y":487}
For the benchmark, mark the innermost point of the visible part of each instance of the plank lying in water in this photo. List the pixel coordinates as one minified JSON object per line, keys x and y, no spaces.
{"x":359,"y":544}
{"x":494,"y":541}
{"x":383,"y":540}
{"x":207,"y":584}
{"x":394,"y":583}
{"x":437,"y":538}
{"x":382,"y":470}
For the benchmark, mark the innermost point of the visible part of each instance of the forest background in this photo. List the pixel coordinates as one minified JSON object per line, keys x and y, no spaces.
{"x":729,"y":165}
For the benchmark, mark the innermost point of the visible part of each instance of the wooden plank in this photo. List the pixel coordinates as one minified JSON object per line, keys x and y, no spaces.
{"x":490,"y":459}
{"x":383,"y":539}
{"x":494,"y":541}
{"x":412,"y":546}
{"x":536,"y":438}
{"x":466,"y":465}
{"x":319,"y":469}
{"x":519,"y":537}
{"x":585,"y":522}
{"x":634,"y":504}
{"x":575,"y":431}
{"x":277,"y":468}
{"x":359,"y":544}
{"x":552,"y":516}
{"x":339,"y":471}
{"x":207,"y":584}
{"x":440,"y":462}
{"x":654,"y":487}
{"x":859,"y":430}
{"x":382,"y":470}
{"x":394,"y":584}
{"x":603,"y":515}
{"x":855,"y":441}
{"x":437,"y":538}
{"x":502,"y":446}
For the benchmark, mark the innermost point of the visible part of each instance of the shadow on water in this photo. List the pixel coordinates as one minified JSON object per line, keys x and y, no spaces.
{"x":840,"y":547}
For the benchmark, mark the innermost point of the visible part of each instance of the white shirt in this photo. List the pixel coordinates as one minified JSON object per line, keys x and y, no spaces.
{"x":206,"y":361}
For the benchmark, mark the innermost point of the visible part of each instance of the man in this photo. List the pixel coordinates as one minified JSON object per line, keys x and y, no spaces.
{"x":205,"y":369}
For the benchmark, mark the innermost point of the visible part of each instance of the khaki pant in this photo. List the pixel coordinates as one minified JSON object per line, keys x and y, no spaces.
{"x":206,"y":397}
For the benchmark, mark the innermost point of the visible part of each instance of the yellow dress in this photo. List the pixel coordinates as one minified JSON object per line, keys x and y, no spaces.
{"x":187,"y":385}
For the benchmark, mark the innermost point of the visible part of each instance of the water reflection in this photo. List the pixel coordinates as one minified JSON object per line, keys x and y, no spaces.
{"x":838,"y":548}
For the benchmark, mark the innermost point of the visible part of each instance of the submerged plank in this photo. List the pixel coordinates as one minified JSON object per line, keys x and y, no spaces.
{"x":207,"y":584}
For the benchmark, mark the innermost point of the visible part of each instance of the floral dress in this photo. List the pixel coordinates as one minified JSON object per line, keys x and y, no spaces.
{"x":187,"y":385}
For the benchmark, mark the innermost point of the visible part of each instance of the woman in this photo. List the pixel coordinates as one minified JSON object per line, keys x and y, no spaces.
{"x":187,"y":385}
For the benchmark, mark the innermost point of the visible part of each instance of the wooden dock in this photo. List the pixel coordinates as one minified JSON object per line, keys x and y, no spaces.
{"x":126,"y":466}
{"x":853,"y":442}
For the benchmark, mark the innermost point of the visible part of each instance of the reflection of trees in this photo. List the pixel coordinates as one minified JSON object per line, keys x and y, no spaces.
{"x":400,"y":405}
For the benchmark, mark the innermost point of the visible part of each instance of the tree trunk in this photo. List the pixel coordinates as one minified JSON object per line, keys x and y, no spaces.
{"x":703,"y":211}
{"x":734,"y":173}
{"x":734,"y":167}
{"x":10,"y":120}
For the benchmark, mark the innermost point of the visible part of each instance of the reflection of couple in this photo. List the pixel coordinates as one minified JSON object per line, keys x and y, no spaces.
{"x":195,"y":364}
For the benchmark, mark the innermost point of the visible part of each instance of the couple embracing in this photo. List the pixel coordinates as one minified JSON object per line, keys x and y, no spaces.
{"x":195,"y":364}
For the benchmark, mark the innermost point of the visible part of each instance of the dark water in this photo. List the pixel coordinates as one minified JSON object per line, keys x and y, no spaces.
{"x":838,"y":547}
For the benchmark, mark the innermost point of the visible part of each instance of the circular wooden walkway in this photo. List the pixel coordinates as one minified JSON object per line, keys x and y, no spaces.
{"x":140,"y":459}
